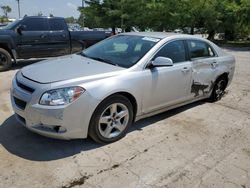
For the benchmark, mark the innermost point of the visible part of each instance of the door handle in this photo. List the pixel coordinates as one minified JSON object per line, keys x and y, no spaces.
{"x":43,"y":36}
{"x":214,"y":64}
{"x":63,"y":35}
{"x":185,"y":69}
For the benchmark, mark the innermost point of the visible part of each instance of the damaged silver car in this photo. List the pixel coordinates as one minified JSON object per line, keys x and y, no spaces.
{"x":101,"y":91}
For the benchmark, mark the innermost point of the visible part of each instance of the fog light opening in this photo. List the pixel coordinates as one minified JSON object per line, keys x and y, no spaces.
{"x":59,"y":129}
{"x":56,"y":128}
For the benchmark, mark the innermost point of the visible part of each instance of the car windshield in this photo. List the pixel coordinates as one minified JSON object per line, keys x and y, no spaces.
{"x":121,"y":50}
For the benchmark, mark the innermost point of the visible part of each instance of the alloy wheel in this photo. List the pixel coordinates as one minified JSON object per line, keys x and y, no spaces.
{"x":220,"y":89}
{"x":3,"y":60}
{"x":114,"y":120}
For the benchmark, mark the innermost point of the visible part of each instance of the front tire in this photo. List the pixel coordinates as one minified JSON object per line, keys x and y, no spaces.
{"x":218,"y":90}
{"x":111,"y":119}
{"x":5,"y":60}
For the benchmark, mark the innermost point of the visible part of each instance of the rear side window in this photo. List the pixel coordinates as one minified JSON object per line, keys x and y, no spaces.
{"x":199,"y":49}
{"x":35,"y":24}
{"x":174,"y":50}
{"x":57,"y":24}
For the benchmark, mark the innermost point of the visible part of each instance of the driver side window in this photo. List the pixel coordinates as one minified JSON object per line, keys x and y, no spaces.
{"x":35,"y":24}
{"x":174,"y":50}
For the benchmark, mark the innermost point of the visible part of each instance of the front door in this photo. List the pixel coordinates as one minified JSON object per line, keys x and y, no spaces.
{"x":33,"y":41}
{"x":166,"y":86}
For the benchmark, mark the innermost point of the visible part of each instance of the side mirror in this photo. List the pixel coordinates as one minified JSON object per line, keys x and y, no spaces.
{"x":162,"y":62}
{"x":20,"y":28}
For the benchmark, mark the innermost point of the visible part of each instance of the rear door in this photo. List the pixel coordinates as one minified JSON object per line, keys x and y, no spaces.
{"x":33,"y":41}
{"x":59,"y":39}
{"x":166,"y":86}
{"x":204,"y":67}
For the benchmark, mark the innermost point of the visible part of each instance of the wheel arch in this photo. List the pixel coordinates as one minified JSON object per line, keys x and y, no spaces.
{"x":129,"y":96}
{"x":223,"y":75}
{"x":132,"y":99}
{"x":6,"y":47}
{"x":213,"y":96}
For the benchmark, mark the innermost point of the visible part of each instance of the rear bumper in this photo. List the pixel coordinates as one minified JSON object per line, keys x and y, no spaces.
{"x":230,"y":75}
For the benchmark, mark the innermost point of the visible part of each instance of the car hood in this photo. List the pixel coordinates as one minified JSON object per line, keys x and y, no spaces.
{"x":67,"y":68}
{"x":5,"y":31}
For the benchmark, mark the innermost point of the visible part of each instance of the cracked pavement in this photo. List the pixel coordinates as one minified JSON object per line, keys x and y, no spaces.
{"x":199,"y":145}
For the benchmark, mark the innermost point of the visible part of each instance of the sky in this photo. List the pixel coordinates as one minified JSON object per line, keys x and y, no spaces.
{"x":62,"y":8}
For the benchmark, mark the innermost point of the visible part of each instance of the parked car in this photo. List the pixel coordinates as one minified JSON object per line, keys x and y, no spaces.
{"x":74,"y":27}
{"x":101,"y":91}
{"x":178,"y":31}
{"x":39,"y":37}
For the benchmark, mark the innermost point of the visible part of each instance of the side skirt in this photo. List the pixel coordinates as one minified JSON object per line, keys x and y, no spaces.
{"x":168,"y":108}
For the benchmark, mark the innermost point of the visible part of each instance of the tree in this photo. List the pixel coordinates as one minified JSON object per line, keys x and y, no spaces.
{"x":91,"y":15}
{"x":3,"y":19}
{"x":243,"y":15}
{"x":70,"y":19}
{"x":6,"y":10}
{"x":231,"y":17}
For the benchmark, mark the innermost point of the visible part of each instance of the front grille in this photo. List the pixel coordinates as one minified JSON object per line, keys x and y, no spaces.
{"x":24,"y":87}
{"x":20,"y":103}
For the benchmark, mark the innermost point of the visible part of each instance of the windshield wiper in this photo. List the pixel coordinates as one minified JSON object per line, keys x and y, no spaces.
{"x":83,"y":54}
{"x":100,"y":59}
{"x":104,"y":60}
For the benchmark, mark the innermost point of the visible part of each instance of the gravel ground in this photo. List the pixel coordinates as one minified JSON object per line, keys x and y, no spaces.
{"x":198,"y":145}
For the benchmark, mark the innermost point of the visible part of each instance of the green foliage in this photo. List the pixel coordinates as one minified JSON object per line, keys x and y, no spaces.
{"x":6,"y":10}
{"x":3,"y":19}
{"x":231,"y":17}
{"x":70,"y":20}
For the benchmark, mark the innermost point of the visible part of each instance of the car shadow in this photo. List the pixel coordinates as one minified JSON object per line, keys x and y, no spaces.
{"x":19,"y":141}
{"x":139,"y":125}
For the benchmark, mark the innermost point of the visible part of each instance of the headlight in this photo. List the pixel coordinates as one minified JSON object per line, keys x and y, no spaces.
{"x":61,"y":96}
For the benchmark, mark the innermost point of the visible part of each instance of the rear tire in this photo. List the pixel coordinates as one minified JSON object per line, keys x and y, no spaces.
{"x":219,"y":89}
{"x":5,"y":60}
{"x":111,"y":119}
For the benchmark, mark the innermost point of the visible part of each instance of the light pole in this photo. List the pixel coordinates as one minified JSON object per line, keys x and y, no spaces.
{"x":18,"y":8}
{"x":83,"y":3}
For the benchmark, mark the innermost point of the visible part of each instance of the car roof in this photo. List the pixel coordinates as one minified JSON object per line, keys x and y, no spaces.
{"x":160,"y":35}
{"x":47,"y":17}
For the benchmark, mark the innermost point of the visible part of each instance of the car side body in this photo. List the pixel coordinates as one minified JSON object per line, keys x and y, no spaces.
{"x":150,"y":90}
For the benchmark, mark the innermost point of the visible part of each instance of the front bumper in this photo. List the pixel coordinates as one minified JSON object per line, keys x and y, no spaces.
{"x":61,"y":122}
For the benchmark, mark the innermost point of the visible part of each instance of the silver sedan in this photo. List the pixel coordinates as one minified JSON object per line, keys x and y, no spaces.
{"x":101,"y":91}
